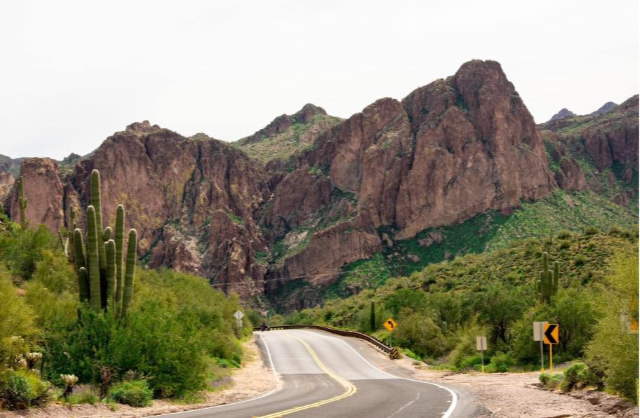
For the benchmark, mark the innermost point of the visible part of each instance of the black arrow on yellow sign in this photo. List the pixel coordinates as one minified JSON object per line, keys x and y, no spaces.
{"x":551,"y":334}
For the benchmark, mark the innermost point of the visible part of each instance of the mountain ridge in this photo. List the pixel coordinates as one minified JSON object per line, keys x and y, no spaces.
{"x":447,"y":152}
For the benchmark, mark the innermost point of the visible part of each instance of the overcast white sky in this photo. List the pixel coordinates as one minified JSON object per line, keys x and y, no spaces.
{"x":74,"y":72}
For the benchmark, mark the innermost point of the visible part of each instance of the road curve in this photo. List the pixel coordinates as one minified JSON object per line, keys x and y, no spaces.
{"x":324,"y":376}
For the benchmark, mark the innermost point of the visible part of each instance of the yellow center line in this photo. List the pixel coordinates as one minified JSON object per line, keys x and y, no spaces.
{"x":350,"y":388}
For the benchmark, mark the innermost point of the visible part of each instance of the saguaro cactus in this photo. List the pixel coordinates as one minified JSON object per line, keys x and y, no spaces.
{"x":372,"y":317}
{"x":548,"y":281}
{"x":103,"y":280}
{"x":22,"y":203}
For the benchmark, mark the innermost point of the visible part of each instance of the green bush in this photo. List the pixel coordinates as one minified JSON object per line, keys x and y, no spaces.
{"x":551,"y":381}
{"x":85,"y":395}
{"x":500,"y":363}
{"x":132,"y":392}
{"x":470,"y":362}
{"x":613,"y":352}
{"x":578,"y":376}
{"x":23,"y":389}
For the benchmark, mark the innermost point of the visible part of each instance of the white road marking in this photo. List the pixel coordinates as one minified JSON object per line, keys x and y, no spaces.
{"x":454,"y":396}
{"x":405,"y":405}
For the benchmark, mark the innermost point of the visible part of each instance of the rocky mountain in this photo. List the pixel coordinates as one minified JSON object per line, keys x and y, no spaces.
{"x":327,"y":192}
{"x":562,"y":114}
{"x":605,"y":108}
{"x":598,"y":151}
{"x":287,"y":134}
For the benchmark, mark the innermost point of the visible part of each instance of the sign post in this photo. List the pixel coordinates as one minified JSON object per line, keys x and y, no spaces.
{"x":481,"y":346}
{"x":538,"y":331}
{"x":238,"y":315}
{"x":551,"y":336}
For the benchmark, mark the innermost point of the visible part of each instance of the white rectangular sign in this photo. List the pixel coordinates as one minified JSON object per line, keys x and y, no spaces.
{"x":481,"y":343}
{"x":538,"y":331}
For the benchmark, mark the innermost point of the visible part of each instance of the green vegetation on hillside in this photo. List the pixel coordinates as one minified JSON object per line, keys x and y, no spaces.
{"x":562,"y":211}
{"x":296,"y":137}
{"x":443,"y":307}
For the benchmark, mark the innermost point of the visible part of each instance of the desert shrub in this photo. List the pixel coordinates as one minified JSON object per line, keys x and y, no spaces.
{"x":470,"y":362}
{"x":86,"y":395}
{"x":18,"y":331}
{"x":578,"y":376}
{"x":23,"y":389}
{"x":500,"y":363}
{"x":21,"y":249}
{"x":613,"y":352}
{"x":132,"y":392}
{"x":550,"y":381}
{"x":421,"y":334}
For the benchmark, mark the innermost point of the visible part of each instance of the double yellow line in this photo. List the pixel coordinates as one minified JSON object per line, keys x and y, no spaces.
{"x":350,"y":388}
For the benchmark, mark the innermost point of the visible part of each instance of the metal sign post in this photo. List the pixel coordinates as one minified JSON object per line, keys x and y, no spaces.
{"x":538,"y":331}
{"x":481,"y":345}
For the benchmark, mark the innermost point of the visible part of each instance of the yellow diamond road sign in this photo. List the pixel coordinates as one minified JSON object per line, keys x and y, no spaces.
{"x":551,"y":333}
{"x":390,"y":324}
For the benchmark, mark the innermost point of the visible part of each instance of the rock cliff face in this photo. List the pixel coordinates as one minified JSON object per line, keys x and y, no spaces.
{"x":605,"y":143}
{"x":448,"y":151}
{"x":43,"y":190}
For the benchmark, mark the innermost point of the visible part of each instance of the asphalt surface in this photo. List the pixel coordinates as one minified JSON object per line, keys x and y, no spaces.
{"x":324,"y":376}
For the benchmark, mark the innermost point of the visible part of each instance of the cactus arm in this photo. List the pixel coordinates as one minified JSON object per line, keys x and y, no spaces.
{"x":130,"y":271}
{"x":110,"y":248}
{"x":106,"y":236}
{"x":83,"y":284}
{"x":119,"y":235}
{"x":96,"y":202}
{"x":22,"y":203}
{"x":93,"y":258}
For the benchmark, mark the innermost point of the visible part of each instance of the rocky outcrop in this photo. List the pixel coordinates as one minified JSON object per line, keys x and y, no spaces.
{"x":43,"y":190}
{"x":450,"y":150}
{"x":605,"y":108}
{"x":6,"y":183}
{"x":563,"y":113}
{"x":283,"y":122}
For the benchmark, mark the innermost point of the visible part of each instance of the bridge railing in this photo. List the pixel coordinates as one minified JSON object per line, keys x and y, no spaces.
{"x":391,"y":351}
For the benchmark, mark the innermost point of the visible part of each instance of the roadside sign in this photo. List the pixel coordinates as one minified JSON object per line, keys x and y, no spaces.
{"x":481,"y":346}
{"x":538,"y":330}
{"x":390,"y":324}
{"x":238,"y":315}
{"x":551,"y":333}
{"x":481,"y":343}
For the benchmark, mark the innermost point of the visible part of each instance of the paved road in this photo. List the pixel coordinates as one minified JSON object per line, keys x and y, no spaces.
{"x":324,"y":376}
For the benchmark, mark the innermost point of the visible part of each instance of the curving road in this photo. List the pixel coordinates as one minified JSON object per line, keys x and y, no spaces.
{"x":327,"y":376}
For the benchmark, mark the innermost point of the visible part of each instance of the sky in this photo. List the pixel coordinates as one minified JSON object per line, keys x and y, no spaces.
{"x":74,"y":72}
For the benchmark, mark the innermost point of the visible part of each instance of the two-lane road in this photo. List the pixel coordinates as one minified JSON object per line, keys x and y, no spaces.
{"x":324,"y":376}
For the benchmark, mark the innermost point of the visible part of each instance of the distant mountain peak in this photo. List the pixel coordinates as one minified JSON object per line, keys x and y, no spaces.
{"x":605,"y":108}
{"x":564,"y":113}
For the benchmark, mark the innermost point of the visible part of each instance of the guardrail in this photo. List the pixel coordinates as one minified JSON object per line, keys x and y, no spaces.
{"x":391,"y":351}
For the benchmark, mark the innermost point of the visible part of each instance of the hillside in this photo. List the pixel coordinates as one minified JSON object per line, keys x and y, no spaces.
{"x":441,"y":307}
{"x":287,"y":134}
{"x":598,"y":151}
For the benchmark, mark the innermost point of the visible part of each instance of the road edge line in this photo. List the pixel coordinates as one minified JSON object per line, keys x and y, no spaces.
{"x":264,"y":395}
{"x":454,"y":396}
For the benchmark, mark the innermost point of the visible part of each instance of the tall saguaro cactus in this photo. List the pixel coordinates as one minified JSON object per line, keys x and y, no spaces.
{"x":22,"y":203}
{"x":103,"y":279}
{"x":548,"y":281}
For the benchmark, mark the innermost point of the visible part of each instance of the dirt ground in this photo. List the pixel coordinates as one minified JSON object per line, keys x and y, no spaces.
{"x":252,"y":380}
{"x":510,"y":395}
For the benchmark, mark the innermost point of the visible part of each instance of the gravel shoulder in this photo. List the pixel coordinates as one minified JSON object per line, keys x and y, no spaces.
{"x":504,"y":395}
{"x":252,"y":380}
